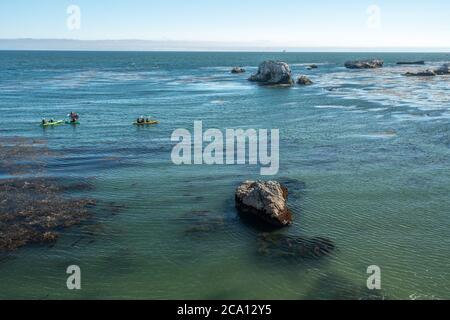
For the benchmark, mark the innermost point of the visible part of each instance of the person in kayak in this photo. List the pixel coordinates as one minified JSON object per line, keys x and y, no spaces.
{"x":141,"y":119}
{"x":44,"y":121}
{"x":74,"y":117}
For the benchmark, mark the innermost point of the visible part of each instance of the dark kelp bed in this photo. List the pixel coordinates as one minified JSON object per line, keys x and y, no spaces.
{"x":34,"y":208}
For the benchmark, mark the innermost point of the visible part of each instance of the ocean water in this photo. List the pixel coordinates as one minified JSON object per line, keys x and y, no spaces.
{"x":365,"y":153}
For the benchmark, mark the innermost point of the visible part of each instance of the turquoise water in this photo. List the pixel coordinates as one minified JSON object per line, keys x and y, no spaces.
{"x":366,"y":155}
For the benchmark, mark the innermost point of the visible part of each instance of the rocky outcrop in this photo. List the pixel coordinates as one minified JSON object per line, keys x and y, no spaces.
{"x":273,"y":73}
{"x":411,"y":63}
{"x":364,"y":64}
{"x":426,"y":73}
{"x":265,"y":200}
{"x":237,"y":70}
{"x":312,"y":66}
{"x":304,"y":81}
{"x":444,"y":70}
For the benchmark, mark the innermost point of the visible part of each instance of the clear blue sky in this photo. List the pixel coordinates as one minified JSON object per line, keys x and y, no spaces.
{"x":413,"y":23}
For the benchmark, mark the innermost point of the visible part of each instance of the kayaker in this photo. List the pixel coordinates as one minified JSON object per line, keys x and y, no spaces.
{"x":44,"y":121}
{"x":74,"y":117}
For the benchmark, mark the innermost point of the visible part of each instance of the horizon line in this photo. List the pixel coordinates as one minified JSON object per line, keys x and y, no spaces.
{"x":60,"y":44}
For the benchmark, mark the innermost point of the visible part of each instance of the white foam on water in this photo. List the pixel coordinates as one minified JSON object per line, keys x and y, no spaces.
{"x":389,"y":87}
{"x":381,"y":135}
{"x":377,"y":109}
{"x":335,"y":107}
{"x":358,"y":111}
{"x":411,"y":117}
{"x":219,"y":102}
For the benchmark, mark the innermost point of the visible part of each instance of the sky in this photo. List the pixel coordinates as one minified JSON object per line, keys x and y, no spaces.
{"x":289,"y":23}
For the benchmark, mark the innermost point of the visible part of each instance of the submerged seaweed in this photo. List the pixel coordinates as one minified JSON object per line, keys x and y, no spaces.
{"x":34,"y":209}
{"x":279,"y":245}
{"x":20,"y":155}
{"x":201,"y":222}
{"x":333,"y":286}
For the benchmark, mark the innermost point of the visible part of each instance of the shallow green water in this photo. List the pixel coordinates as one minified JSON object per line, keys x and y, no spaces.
{"x":366,"y":155}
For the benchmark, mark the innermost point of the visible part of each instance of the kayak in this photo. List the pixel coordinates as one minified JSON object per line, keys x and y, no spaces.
{"x":52,"y":124}
{"x":146,"y":123}
{"x":73,"y":123}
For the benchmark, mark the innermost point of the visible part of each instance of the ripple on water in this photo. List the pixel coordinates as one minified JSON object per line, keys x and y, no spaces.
{"x":388,"y":87}
{"x":359,"y":189}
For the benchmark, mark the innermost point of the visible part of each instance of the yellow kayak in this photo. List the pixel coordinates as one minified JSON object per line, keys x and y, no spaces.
{"x":148,"y":123}
{"x":51,"y":124}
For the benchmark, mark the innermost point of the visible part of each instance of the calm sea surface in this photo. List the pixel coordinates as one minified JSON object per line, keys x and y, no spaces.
{"x":365,"y":153}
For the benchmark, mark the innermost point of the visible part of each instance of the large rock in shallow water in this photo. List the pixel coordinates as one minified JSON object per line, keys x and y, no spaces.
{"x":273,"y":73}
{"x":364,"y":64}
{"x":265,"y":200}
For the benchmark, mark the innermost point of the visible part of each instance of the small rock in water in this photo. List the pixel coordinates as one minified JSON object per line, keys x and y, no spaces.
{"x":364,"y":64}
{"x":265,"y":200}
{"x":411,"y":63}
{"x":295,"y":247}
{"x":238,"y":70}
{"x":426,"y":73}
{"x":273,"y":73}
{"x":304,"y":81}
